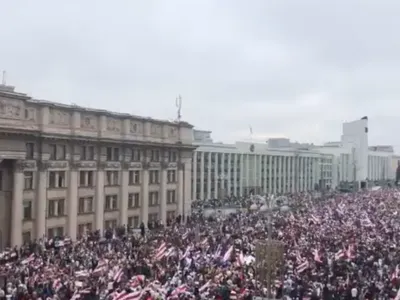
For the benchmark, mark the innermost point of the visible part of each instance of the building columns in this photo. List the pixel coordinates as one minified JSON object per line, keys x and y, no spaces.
{"x":144,"y":211}
{"x":16,"y":208}
{"x":99,"y":206}
{"x":163,"y":193}
{"x":72,"y":203}
{"x":41,"y":202}
{"x":180,"y":189}
{"x":123,"y":209}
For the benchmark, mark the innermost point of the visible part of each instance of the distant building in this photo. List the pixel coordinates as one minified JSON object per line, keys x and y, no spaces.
{"x":281,"y":166}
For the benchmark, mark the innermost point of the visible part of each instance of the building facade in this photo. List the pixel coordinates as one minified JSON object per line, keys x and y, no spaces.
{"x":279,"y":166}
{"x":66,"y":169}
{"x":240,"y":169}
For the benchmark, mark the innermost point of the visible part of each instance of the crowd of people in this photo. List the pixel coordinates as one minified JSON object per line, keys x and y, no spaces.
{"x":344,"y":246}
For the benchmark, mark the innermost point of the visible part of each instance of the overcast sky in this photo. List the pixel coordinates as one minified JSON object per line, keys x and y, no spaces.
{"x":287,"y":68}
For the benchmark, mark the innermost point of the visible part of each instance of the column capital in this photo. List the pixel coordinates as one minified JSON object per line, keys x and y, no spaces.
{"x":74,"y":166}
{"x":19,"y":165}
{"x":145,"y":165}
{"x":125,"y":165}
{"x":164,"y":165}
{"x":42,"y":165}
{"x":180,"y":166}
{"x":101,"y":165}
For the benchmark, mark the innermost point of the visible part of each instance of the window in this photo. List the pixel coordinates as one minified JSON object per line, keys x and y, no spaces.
{"x":85,"y":205}
{"x":171,"y":196}
{"x":133,"y":222}
{"x":154,"y":176}
{"x":134,"y":177}
{"x":172,"y":156}
{"x":28,"y":180}
{"x":84,"y":228}
{"x":86,"y":178}
{"x":56,"y":208}
{"x":112,"y":154}
{"x":112,"y":177}
{"x":57,"y":152}
{"x":171,"y":215}
{"x":111,"y":202}
{"x":135,"y":155}
{"x":171,"y":176}
{"x":26,"y":237}
{"x":87,"y":153}
{"x":55,"y":232}
{"x":30,"y":150}
{"x":110,"y":224}
{"x":153,"y":198}
{"x":27,"y":210}
{"x":155,"y":155}
{"x":134,"y":200}
{"x":57,"y":179}
{"x":153,"y":217}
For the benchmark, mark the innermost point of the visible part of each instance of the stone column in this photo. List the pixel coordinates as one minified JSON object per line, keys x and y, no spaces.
{"x":216,"y":176}
{"x":235,"y":162}
{"x":187,"y":186}
{"x":99,"y":220}
{"x":145,"y":194}
{"x":241,"y":170}
{"x":209,"y":177}
{"x":180,"y":188}
{"x":229,"y":175}
{"x":16,"y":207}
{"x":123,"y":209}
{"x":41,"y":201}
{"x":163,"y":193}
{"x":202,"y":168}
{"x":72,"y":202}
{"x":194,"y":179}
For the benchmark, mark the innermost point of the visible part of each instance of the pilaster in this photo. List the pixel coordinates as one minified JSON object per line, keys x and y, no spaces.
{"x":163,"y":192}
{"x":16,"y":207}
{"x":99,"y":206}
{"x":145,"y":193}
{"x":41,"y":199}
{"x":72,"y":201}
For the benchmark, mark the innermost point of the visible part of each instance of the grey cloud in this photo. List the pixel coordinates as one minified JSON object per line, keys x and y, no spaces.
{"x":235,"y":63}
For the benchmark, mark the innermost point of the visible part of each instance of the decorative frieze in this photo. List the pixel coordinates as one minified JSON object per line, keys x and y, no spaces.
{"x":10,"y":109}
{"x":84,"y":164}
{"x":154,"y":165}
{"x":59,"y":117}
{"x":112,"y":164}
{"x":172,"y":165}
{"x":135,"y":127}
{"x":88,"y":122}
{"x":113,"y":125}
{"x":53,"y":164}
{"x":156,"y":130}
{"x":172,"y":132}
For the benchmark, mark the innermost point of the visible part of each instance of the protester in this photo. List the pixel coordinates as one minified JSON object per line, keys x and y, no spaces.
{"x":343,"y":247}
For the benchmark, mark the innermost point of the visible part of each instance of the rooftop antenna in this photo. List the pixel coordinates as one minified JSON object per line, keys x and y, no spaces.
{"x":4,"y":78}
{"x":178,"y":104}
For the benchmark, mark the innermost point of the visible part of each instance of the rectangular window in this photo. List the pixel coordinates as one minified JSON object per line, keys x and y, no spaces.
{"x":30,"y":150}
{"x":28,"y":180}
{"x":172,"y":156}
{"x":112,"y":154}
{"x":87,"y":152}
{"x":111,"y":203}
{"x":154,"y":177}
{"x":112,"y":178}
{"x":57,"y":179}
{"x":155,"y":155}
{"x":134,"y":200}
{"x":135,"y":155}
{"x":133,"y":222}
{"x":110,"y":224}
{"x":56,"y":208}
{"x":153,"y":199}
{"x":134,"y":177}
{"x":171,"y":176}
{"x":27,"y":210}
{"x":171,"y":196}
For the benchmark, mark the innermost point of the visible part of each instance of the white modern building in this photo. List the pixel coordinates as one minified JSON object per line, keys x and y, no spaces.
{"x":279,"y":166}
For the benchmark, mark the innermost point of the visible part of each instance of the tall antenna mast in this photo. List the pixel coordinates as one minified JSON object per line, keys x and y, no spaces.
{"x":178,"y":104}
{"x":4,"y":78}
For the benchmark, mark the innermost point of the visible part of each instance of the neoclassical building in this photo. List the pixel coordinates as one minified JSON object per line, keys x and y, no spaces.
{"x":67,"y":169}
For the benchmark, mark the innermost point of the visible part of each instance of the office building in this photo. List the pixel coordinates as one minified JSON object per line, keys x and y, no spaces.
{"x":67,"y":169}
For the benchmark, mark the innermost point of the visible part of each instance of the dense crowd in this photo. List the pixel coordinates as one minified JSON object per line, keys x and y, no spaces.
{"x":343,"y":247}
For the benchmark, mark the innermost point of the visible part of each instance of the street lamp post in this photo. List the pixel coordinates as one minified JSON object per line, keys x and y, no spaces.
{"x":269,"y":253}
